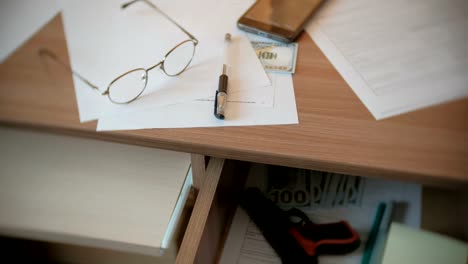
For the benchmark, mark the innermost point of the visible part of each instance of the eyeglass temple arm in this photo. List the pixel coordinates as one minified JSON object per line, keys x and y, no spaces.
{"x":50,"y":54}
{"x":165,"y":15}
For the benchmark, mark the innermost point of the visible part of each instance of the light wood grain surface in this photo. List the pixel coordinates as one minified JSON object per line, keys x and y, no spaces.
{"x":198,"y":169}
{"x":196,"y":226}
{"x":336,"y":132}
{"x":89,"y":192}
{"x":222,"y":211}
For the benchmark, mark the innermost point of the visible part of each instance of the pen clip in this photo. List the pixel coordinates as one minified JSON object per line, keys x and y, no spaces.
{"x":216,"y":105}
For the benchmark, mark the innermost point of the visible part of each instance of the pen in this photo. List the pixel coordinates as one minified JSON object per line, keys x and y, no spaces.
{"x":221,"y":93}
{"x":371,"y":241}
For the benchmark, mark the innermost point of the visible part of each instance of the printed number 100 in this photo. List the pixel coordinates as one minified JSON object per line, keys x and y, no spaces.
{"x":290,"y":197}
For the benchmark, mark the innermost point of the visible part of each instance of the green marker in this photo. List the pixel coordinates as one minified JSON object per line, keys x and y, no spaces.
{"x":373,"y":234}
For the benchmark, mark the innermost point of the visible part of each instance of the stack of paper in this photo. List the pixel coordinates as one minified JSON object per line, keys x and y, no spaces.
{"x":103,"y":47}
{"x":117,"y":40}
{"x":105,"y":41}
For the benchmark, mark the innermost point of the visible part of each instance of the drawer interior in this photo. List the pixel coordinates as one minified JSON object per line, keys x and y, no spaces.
{"x":443,"y":211}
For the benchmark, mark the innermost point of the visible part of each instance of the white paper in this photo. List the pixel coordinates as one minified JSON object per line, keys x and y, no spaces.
{"x":397,"y":56}
{"x":246,"y":244}
{"x":200,"y":113}
{"x":105,"y":41}
{"x":209,"y":17}
{"x":20,"y":19}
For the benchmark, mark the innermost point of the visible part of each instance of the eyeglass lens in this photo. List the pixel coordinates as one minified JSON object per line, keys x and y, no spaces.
{"x":179,"y":58}
{"x":128,"y":87}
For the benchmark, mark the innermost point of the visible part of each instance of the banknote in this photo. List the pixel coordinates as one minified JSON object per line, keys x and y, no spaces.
{"x":276,"y":57}
{"x":330,"y":190}
{"x":290,"y":187}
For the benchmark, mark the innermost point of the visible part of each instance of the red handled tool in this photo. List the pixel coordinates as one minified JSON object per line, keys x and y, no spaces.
{"x":323,"y":239}
{"x":297,"y":241}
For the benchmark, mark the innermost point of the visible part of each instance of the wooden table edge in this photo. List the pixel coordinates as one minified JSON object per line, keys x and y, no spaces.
{"x":250,"y":156}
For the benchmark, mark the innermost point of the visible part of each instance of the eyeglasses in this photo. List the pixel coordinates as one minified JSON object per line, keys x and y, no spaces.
{"x":127,"y":87}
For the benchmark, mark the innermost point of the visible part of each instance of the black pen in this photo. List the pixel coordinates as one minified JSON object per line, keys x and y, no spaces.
{"x":221,"y":93}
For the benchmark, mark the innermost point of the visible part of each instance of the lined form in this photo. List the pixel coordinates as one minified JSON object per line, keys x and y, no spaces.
{"x":397,"y":56}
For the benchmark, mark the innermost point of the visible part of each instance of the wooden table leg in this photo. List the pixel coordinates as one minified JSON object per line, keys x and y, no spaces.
{"x":198,"y":170}
{"x":201,"y":209}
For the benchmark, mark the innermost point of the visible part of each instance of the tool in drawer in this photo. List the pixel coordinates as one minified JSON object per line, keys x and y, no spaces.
{"x":297,"y":241}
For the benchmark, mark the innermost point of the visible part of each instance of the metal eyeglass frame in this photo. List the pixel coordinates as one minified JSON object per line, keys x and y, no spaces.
{"x":145,"y":77}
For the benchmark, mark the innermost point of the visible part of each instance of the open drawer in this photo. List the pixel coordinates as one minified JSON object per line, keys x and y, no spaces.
{"x":91,"y":201}
{"x":443,"y":210}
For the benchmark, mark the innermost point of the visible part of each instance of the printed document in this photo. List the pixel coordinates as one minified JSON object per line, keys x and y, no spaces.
{"x":397,"y":56}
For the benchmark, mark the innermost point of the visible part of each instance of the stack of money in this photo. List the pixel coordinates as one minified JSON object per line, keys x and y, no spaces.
{"x":290,"y":187}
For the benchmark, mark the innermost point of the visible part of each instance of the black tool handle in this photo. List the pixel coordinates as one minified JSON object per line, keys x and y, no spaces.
{"x":274,"y":224}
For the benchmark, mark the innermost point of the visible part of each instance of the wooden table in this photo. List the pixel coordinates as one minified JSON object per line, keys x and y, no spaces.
{"x":335,"y":132}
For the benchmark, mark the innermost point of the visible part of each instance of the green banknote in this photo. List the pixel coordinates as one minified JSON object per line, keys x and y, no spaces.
{"x":276,"y":57}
